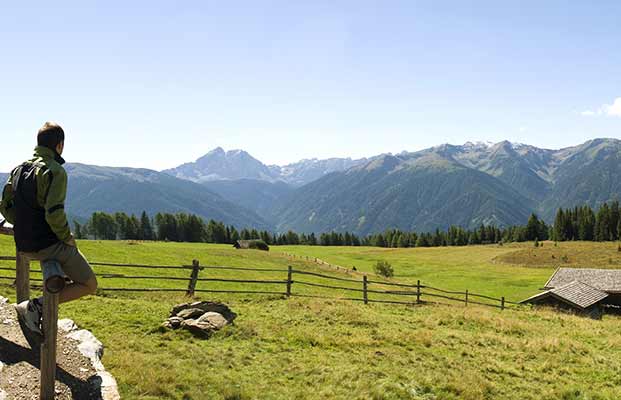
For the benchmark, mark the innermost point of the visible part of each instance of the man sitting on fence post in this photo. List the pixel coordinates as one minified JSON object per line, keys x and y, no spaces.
{"x":33,"y":201}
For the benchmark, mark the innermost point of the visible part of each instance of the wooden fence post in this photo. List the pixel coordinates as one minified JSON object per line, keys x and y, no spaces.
{"x":48,"y":348}
{"x":365,"y":284}
{"x":22,"y":277}
{"x":53,"y":283}
{"x":289,"y":280}
{"x":502,"y":303}
{"x":418,"y":292}
{"x":466,"y":297}
{"x":193,"y":278}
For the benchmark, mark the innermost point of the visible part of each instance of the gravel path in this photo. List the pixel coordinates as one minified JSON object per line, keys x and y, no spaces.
{"x":76,"y":377}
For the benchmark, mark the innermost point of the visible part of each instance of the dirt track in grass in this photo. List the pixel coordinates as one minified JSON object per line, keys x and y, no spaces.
{"x":19,"y":365}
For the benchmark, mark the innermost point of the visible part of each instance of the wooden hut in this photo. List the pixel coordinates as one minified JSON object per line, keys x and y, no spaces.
{"x":607,"y":280}
{"x":585,"y":291}
{"x":576,"y":297}
{"x":256,"y":244}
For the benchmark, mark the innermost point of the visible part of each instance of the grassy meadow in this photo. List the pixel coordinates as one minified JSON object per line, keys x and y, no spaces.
{"x":306,"y":348}
{"x":454,"y":268}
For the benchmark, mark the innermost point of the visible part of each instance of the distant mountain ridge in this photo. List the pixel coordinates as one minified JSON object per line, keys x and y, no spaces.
{"x":222,"y":165}
{"x":491,"y":183}
{"x":132,"y":190}
{"x":218,"y":165}
{"x":410,"y":193}
{"x":464,"y":185}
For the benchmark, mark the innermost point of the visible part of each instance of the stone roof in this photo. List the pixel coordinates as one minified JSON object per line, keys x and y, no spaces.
{"x":576,"y":293}
{"x":608,"y":280}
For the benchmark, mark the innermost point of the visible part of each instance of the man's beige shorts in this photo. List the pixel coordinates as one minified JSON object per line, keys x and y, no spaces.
{"x":72,"y":261}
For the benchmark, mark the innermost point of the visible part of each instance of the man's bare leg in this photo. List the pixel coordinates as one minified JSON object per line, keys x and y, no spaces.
{"x":76,"y":290}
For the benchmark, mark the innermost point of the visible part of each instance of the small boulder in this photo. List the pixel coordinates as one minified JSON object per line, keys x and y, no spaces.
{"x":173,"y":322}
{"x":200,"y":318}
{"x":216,"y":320}
{"x":190,"y":313}
{"x":206,"y":306}
{"x":200,"y":329}
{"x":89,"y":345}
{"x":67,"y":325}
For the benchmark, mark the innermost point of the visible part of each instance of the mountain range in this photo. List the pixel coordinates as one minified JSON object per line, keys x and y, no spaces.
{"x":218,"y":165}
{"x":465,"y":185}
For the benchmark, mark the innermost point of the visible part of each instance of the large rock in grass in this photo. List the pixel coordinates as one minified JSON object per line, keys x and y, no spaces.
{"x":206,"y":306}
{"x":201,"y":318}
{"x":200,"y":329}
{"x":217,"y":321}
{"x":190,"y":313}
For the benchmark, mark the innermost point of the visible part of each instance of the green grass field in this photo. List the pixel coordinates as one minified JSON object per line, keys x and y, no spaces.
{"x":456,"y":268}
{"x":301,"y":348}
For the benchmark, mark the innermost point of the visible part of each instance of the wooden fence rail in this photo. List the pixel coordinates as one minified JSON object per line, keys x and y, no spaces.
{"x":365,"y":286}
{"x":23,"y":283}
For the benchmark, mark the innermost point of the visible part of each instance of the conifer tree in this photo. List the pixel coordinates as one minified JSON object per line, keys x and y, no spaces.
{"x":146,"y":228}
{"x":614,"y":220}
{"x":532,"y":228}
{"x":403,"y":240}
{"x":77,"y":230}
{"x":423,"y":240}
{"x":559,"y":226}
{"x":602,"y":224}
{"x":234,"y":235}
{"x":395,"y":241}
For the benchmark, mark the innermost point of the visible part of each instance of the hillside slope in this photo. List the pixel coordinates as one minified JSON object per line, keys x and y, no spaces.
{"x":586,"y":174}
{"x":465,"y":185}
{"x":131,"y":190}
{"x":420,"y":193}
{"x":257,"y":195}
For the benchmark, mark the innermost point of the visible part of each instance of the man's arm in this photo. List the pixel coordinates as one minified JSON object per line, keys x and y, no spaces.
{"x":55,"y":207}
{"x":7,"y":208}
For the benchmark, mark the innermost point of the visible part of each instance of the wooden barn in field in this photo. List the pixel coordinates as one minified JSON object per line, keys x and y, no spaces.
{"x":256,"y":244}
{"x":585,"y":291}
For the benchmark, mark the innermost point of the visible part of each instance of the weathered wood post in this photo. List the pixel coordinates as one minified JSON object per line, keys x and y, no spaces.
{"x":466,"y":297}
{"x":365,"y":284}
{"x":22,"y":277}
{"x":418,"y":292}
{"x":193,"y":278}
{"x":502,"y":303}
{"x":53,"y":283}
{"x":289,"y":280}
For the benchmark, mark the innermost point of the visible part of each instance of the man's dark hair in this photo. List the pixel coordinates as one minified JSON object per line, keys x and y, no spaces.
{"x":50,"y":135}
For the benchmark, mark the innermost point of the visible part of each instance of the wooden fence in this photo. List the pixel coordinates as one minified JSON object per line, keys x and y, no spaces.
{"x":367,"y":290}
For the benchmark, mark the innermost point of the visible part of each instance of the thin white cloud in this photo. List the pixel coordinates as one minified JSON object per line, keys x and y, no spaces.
{"x":608,"y":110}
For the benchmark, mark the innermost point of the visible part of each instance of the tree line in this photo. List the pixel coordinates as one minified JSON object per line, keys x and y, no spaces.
{"x":179,"y":227}
{"x":583,"y":223}
{"x":579,"y":223}
{"x":182,"y":227}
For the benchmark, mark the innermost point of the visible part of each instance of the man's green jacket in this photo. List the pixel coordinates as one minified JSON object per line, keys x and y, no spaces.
{"x":51,"y":192}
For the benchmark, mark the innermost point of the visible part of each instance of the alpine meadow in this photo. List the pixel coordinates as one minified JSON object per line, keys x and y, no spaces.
{"x":310,"y":200}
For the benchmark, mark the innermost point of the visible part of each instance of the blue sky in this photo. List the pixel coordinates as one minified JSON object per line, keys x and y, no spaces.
{"x":154,"y":84}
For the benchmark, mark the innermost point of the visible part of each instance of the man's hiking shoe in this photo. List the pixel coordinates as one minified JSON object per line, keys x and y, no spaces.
{"x":29,"y":316}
